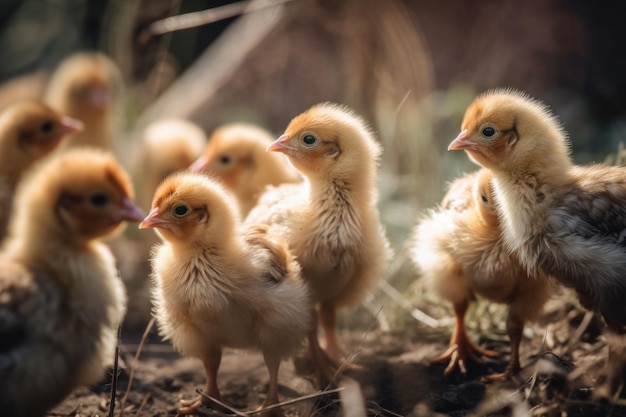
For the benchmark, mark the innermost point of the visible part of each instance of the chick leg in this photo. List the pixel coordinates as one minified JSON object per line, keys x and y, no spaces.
{"x":211,"y":363}
{"x":461,"y":348}
{"x":272,"y":363}
{"x":328,"y":321}
{"x":324,"y":367}
{"x":515,"y":329}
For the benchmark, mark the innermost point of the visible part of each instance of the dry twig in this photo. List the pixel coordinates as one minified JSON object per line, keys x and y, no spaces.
{"x":134,"y":364}
{"x":204,"y":17}
{"x":270,"y":407}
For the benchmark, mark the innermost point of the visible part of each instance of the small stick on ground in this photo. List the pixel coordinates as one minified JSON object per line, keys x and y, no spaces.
{"x":269,"y":407}
{"x":115,"y":370}
{"x":134,"y":364}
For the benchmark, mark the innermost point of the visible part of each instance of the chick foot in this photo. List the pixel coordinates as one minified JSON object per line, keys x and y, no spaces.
{"x":274,"y":412}
{"x":458,"y":354}
{"x":503,"y":376}
{"x":190,"y":406}
{"x":461,"y":348}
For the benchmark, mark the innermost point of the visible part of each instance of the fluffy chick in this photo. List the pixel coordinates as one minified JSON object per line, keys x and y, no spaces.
{"x":61,"y":299}
{"x":331,"y":220}
{"x":236,"y":155}
{"x":87,"y":86}
{"x":460,"y":252}
{"x":28,"y":131}
{"x":217,"y":285}
{"x":566,"y":220}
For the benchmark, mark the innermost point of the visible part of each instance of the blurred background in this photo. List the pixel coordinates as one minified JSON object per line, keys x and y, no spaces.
{"x":409,"y":67}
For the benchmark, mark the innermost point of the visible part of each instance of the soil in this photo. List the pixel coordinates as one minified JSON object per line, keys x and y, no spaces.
{"x":563,"y":359}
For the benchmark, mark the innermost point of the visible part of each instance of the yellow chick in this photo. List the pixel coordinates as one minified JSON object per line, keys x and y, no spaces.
{"x":331,"y":220}
{"x":28,"y":131}
{"x":236,"y":155}
{"x":460,"y":252}
{"x":88,"y":86}
{"x":218,"y":285}
{"x":61,"y":299}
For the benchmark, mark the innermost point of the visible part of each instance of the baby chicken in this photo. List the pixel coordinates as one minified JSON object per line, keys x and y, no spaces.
{"x":61,"y":299}
{"x":459,"y":249}
{"x":566,"y":220}
{"x":236,"y":155}
{"x":87,"y":86}
{"x":219,"y":285}
{"x":331,"y":220}
{"x":28,"y":131}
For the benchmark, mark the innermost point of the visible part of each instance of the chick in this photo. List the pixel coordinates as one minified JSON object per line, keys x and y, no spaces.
{"x":219,"y":285}
{"x":87,"y":86}
{"x":28,"y":131}
{"x":331,"y":220}
{"x":565,"y":220}
{"x":236,"y":155}
{"x":460,"y":251}
{"x":61,"y":299}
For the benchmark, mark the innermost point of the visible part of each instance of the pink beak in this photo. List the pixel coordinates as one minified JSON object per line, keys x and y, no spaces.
{"x":462,"y":142}
{"x":200,"y":164}
{"x":70,"y":125}
{"x":279,"y":145}
{"x":129,"y":212}
{"x":152,"y":220}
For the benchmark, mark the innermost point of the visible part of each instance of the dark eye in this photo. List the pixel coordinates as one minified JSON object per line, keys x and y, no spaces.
{"x":489,"y":132}
{"x":47,"y":127}
{"x":484,"y":198}
{"x":98,"y":199}
{"x":309,"y":139}
{"x":181,"y":210}
{"x":225,"y":159}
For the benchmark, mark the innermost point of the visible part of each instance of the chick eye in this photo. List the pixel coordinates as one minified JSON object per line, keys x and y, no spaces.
{"x":47,"y":127}
{"x":484,"y":198}
{"x":181,"y":210}
{"x":98,"y":199}
{"x":309,"y":139}
{"x":225,"y":160}
{"x":489,"y":132}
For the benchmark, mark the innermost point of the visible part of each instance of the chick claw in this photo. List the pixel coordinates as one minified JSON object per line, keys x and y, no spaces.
{"x":458,"y":353}
{"x":190,"y":406}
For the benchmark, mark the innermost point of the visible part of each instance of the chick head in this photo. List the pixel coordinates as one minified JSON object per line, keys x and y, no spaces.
{"x":78,"y":195}
{"x":171,"y":145}
{"x":505,"y":130}
{"x":329,"y":140}
{"x":191,"y":208}
{"x":85,"y":85}
{"x":29,"y":131}
{"x":234,"y":153}
{"x":484,"y":201}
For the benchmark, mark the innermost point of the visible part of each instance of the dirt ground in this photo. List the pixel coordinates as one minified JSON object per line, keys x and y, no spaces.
{"x":563,"y":359}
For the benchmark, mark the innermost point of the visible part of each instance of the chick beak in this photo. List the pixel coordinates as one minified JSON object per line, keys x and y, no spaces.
{"x":279,"y":145}
{"x":70,"y":125}
{"x":200,"y":164}
{"x":128,"y":212}
{"x":152,"y":219}
{"x":462,"y":142}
